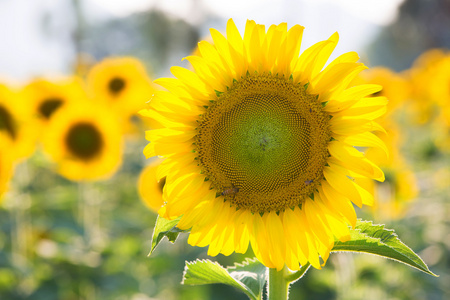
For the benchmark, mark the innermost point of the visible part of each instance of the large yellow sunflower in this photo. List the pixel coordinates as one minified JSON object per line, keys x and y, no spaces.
{"x":17,"y":134}
{"x":85,"y":141}
{"x":121,"y":83}
{"x":259,"y":145}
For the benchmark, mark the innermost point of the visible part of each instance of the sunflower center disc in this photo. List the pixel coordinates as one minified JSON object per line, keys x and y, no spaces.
{"x":6,"y":122}
{"x":116,"y":85}
{"x":84,"y":141}
{"x":49,"y":106}
{"x":263,"y":143}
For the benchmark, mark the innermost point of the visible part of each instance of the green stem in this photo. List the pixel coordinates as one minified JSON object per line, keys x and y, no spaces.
{"x":299,"y":274}
{"x":279,"y":281}
{"x":278,"y":285}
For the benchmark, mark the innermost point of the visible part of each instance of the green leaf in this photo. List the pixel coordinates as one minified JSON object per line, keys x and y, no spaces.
{"x":375,"y":239}
{"x":164,"y":227}
{"x":251,"y":273}
{"x":248,"y":277}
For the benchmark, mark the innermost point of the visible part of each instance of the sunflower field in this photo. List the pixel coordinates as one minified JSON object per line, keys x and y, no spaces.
{"x":177,"y":153}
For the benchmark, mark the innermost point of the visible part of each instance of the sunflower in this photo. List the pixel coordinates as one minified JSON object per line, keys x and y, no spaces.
{"x":430,"y":84}
{"x":395,"y":194}
{"x":16,"y":132}
{"x":259,"y":145}
{"x":45,"y":97}
{"x":121,"y":83}
{"x":85,"y":141}
{"x":396,"y":87}
{"x":150,"y":188}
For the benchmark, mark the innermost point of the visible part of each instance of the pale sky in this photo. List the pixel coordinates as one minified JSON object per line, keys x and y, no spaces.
{"x":24,"y":53}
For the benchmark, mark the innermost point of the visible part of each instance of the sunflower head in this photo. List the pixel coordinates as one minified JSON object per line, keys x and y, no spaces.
{"x":258,"y":142}
{"x":45,"y":97}
{"x":430,"y":81}
{"x":16,"y":131}
{"x":396,"y":87}
{"x":121,"y":83}
{"x":85,"y":141}
{"x":261,"y":123}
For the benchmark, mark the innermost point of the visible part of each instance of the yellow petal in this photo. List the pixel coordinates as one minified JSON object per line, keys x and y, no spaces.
{"x":277,"y":245}
{"x":339,"y":181}
{"x":338,"y":202}
{"x":351,"y":158}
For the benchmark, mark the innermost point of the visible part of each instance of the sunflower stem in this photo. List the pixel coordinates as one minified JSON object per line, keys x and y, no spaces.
{"x":293,"y":277}
{"x":278,"y":286}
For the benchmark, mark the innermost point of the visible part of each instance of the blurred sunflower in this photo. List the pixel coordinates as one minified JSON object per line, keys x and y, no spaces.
{"x":46,"y":97}
{"x":150,"y":188}
{"x":6,"y":168}
{"x":17,"y":134}
{"x":121,"y":83}
{"x":393,"y":195}
{"x":396,"y":87}
{"x":400,"y":187}
{"x":85,"y":141}
{"x":258,"y":145}
{"x":429,"y":79}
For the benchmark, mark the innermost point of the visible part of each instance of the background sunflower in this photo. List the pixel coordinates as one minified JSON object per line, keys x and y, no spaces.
{"x":45,"y":97}
{"x":121,"y":83}
{"x":84,"y":144}
{"x":18,"y":135}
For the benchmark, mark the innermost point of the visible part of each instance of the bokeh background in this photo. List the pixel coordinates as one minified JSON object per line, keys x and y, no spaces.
{"x":62,"y":237}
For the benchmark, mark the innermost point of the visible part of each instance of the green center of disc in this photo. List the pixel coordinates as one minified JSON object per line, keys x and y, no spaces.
{"x":265,"y":139}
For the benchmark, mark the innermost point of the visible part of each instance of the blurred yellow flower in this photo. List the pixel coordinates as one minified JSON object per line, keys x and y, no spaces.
{"x":393,"y":196}
{"x":429,"y":78}
{"x":85,"y":141}
{"x":400,"y":186}
{"x":150,"y":188}
{"x":121,"y":83}
{"x":258,"y":145}
{"x":45,"y":97}
{"x":396,"y":88}
{"x":17,"y":133}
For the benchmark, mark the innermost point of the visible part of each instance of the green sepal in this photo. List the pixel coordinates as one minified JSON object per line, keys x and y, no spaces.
{"x":249,"y":277}
{"x":165,"y":228}
{"x":375,"y":239}
{"x":218,"y":93}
